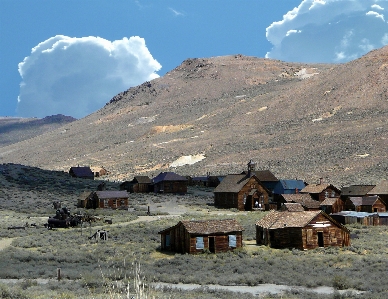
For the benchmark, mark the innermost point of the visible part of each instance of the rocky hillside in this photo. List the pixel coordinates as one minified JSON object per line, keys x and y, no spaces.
{"x":14,"y":129}
{"x":215,"y":114}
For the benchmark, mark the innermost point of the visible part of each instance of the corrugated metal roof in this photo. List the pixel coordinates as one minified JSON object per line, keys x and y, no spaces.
{"x":364,"y":201}
{"x":168,"y":176}
{"x":292,"y":184}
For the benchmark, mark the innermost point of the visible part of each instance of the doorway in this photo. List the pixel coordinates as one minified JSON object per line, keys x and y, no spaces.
{"x":320,"y":239}
{"x":212,"y":244}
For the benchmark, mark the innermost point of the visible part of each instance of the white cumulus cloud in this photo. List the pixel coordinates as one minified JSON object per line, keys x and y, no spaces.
{"x":328,"y":31}
{"x":77,"y":76}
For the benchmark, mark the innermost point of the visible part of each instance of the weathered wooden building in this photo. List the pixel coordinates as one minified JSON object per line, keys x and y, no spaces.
{"x":332,"y":205}
{"x":139,"y":184}
{"x":363,"y":218}
{"x":321,"y":191}
{"x":266,"y":177}
{"x":301,"y":230}
{"x":242,"y":192}
{"x":99,"y":171}
{"x":83,"y":172}
{"x":202,"y":235}
{"x":105,"y":200}
{"x":169,"y":182}
{"x":367,"y":204}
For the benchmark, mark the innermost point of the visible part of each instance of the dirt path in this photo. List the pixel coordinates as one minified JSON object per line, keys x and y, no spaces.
{"x":4,"y":243}
{"x":259,"y":289}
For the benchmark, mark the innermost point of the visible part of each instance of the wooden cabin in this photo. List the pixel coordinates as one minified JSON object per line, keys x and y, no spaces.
{"x":304,"y":200}
{"x":202,"y":235}
{"x":99,"y":171}
{"x":106,"y":200}
{"x":332,"y":205}
{"x":169,"y":182}
{"x":367,"y":204}
{"x":321,"y":191}
{"x":301,"y":230}
{"x":83,"y":172}
{"x":139,"y":184}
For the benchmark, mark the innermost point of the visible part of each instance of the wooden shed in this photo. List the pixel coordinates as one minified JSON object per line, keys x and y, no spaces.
{"x":83,"y":172}
{"x":367,"y":204}
{"x":301,"y":230}
{"x":139,"y":184}
{"x":169,"y":182}
{"x":106,"y":200}
{"x":202,"y":235}
{"x":99,"y":171}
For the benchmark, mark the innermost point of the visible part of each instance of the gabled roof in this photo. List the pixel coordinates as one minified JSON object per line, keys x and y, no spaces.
{"x":263,"y":175}
{"x":206,"y":227}
{"x":317,"y":188}
{"x":364,"y":201}
{"x":292,"y":207}
{"x":142,"y":179}
{"x":81,"y":171}
{"x":276,"y":219}
{"x":329,"y":201}
{"x":304,"y":199}
{"x":380,"y":188}
{"x":356,"y":190}
{"x":233,"y":183}
{"x":168,"y":176}
{"x":111,"y":194}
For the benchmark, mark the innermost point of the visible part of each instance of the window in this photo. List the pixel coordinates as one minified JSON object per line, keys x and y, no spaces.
{"x":105,"y":203}
{"x":232,"y":241}
{"x":167,"y":240}
{"x":199,"y":243}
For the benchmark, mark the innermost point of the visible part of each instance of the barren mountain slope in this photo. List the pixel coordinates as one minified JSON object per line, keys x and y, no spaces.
{"x":15,"y":129}
{"x":298,"y":120}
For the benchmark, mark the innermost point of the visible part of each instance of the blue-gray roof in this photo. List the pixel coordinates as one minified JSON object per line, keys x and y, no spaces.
{"x":168,"y":176}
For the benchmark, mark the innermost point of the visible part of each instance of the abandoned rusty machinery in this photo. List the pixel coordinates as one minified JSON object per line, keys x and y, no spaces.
{"x":63,"y":219}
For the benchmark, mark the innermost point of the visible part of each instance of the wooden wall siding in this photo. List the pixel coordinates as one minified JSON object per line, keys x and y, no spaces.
{"x":182,"y":242}
{"x":141,"y":188}
{"x":378,"y":206}
{"x":171,"y":187}
{"x":113,"y":203}
{"x":325,"y":193}
{"x":226,"y":200}
{"x":306,"y":237}
{"x":231,"y":200}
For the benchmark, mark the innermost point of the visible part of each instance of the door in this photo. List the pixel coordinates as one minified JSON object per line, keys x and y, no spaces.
{"x":212,"y":244}
{"x":320,"y":239}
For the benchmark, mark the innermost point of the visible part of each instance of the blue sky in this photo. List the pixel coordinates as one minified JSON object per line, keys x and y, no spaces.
{"x":71,"y":57}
